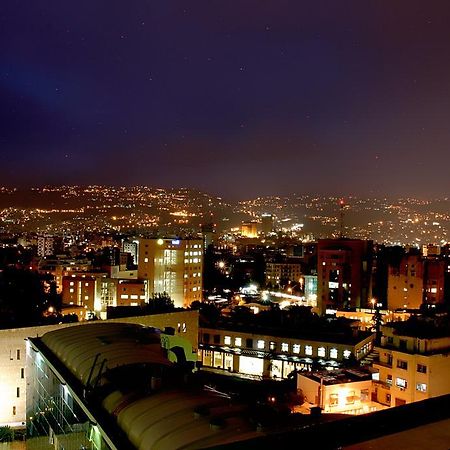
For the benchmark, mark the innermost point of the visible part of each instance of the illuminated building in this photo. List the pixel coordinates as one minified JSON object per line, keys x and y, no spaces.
{"x":45,"y":245}
{"x":344,"y":270}
{"x":414,"y":281}
{"x":63,"y":267}
{"x":131,"y":292}
{"x":276,"y":356}
{"x":131,"y":247}
{"x":343,"y":391}
{"x":79,"y":290}
{"x":310,"y":288}
{"x":414,"y":363}
{"x":282,"y":272}
{"x":174,"y":267}
{"x":249,"y":229}
{"x":13,"y":365}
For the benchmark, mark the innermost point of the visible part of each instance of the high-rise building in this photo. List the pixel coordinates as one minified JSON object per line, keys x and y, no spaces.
{"x":249,"y":229}
{"x":45,"y":244}
{"x":208,"y":232}
{"x":414,"y":281}
{"x":131,"y":247}
{"x":174,"y":267}
{"x":267,"y":223}
{"x":344,"y":271}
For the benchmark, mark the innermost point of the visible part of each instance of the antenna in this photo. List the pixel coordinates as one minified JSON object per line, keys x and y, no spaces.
{"x":341,"y":217}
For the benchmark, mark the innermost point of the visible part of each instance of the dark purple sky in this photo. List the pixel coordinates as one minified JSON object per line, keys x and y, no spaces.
{"x":240,"y":98}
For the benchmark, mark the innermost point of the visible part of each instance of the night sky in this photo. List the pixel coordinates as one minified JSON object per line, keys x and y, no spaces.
{"x":239,"y":98}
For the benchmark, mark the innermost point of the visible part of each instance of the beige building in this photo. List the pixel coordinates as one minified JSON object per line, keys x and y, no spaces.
{"x":405,"y":283}
{"x":283,"y":272}
{"x":411,"y":368}
{"x":269,"y":356}
{"x":343,"y":391}
{"x":173,"y":266}
{"x":13,"y":365}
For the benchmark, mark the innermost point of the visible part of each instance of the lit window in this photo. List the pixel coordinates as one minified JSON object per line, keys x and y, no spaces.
{"x":347,"y":354}
{"x":86,"y":297}
{"x":134,"y":297}
{"x":308,"y":350}
{"x":238,"y":341}
{"x":272,"y":345}
{"x":296,"y":348}
{"x":86,"y":284}
{"x":146,"y":260}
{"x":284,"y":347}
{"x":227,"y":340}
{"x":321,"y":352}
{"x":71,"y":290}
{"x":389,"y":379}
{"x":333,"y":353}
{"x":71,"y":283}
{"x":401,"y":383}
{"x":125,"y":296}
{"x":260,"y":344}
{"x":421,"y":387}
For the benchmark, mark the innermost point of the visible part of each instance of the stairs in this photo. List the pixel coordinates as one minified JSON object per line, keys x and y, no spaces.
{"x":370,"y":358}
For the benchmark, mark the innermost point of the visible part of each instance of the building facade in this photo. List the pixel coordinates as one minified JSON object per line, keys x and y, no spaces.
{"x":411,"y":368}
{"x":268,"y":356}
{"x":174,"y":267}
{"x":344,"y":273}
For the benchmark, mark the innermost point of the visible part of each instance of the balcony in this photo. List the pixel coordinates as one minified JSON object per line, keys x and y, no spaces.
{"x":382,"y":384}
{"x":383,"y":364}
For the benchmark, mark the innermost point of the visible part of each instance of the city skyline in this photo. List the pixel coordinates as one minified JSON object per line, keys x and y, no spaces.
{"x":240,"y":101}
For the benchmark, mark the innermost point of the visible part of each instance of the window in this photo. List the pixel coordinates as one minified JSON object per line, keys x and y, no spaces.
{"x":401,"y":383}
{"x":333,"y":353}
{"x":350,"y":399}
{"x":334,"y":399}
{"x":389,"y":379}
{"x":217,"y":339}
{"x":14,"y":410}
{"x":364,"y":395}
{"x":390,"y":340}
{"x":18,"y":392}
{"x":347,"y":354}
{"x":321,"y":352}
{"x":249,"y":343}
{"x":296,"y":348}
{"x":421,"y":387}
{"x":402,"y":364}
{"x":146,"y":260}
{"x":206,"y":337}
{"x":421,"y":368}
{"x":308,"y":350}
{"x":183,"y":327}
{"x":18,"y":354}
{"x":227,"y":340}
{"x":238,"y":341}
{"x":284,"y":347}
{"x":22,"y":373}
{"x":260,"y":344}
{"x":402,"y":344}
{"x":272,"y":345}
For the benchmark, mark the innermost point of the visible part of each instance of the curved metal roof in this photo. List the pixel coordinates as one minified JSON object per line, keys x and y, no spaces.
{"x":119,"y":344}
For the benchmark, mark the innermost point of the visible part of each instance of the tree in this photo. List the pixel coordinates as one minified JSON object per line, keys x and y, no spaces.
{"x":160,"y":303}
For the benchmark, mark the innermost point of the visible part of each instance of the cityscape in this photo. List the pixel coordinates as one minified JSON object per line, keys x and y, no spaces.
{"x":224,"y":225}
